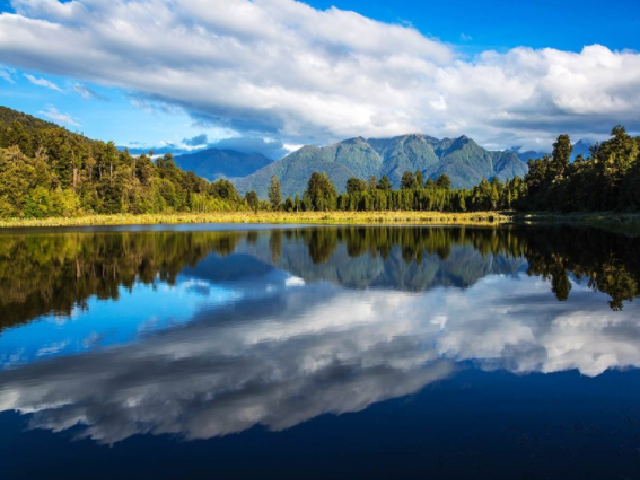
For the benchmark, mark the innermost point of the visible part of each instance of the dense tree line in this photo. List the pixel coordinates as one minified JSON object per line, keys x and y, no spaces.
{"x":46,"y":170}
{"x":377,"y":195}
{"x":608,"y":180}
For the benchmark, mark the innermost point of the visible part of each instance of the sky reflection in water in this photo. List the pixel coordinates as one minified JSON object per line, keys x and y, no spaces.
{"x":275,"y":329}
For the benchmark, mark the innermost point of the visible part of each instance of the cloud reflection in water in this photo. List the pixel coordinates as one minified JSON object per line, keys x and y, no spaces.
{"x":315,"y":349}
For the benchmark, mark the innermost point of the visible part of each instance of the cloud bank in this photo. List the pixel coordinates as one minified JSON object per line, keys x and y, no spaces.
{"x":197,"y":141}
{"x":270,"y":148}
{"x":280,"y":68}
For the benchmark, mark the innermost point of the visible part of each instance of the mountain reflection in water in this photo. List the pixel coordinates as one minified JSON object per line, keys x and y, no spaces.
{"x":277,"y":327}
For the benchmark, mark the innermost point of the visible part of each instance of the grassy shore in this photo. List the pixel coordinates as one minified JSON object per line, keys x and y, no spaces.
{"x":407,"y":218}
{"x":624,"y":223}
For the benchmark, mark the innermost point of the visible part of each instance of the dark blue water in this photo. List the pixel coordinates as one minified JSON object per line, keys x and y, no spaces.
{"x":396,"y":352}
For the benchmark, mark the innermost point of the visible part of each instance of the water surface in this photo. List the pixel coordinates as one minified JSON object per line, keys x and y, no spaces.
{"x":319,"y":352}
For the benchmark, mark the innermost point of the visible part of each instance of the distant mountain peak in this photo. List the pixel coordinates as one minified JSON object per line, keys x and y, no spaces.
{"x":414,"y":136}
{"x":461,"y":158}
{"x":351,"y":141}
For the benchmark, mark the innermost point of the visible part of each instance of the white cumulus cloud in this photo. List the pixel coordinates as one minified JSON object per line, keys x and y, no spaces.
{"x":52,"y":113}
{"x":42,"y":82}
{"x":282,"y":68}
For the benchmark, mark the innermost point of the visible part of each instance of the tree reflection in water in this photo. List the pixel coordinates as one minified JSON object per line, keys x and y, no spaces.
{"x":42,"y":273}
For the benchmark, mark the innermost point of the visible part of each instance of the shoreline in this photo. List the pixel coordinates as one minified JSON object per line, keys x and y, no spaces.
{"x":626,"y":223}
{"x":329,"y":218}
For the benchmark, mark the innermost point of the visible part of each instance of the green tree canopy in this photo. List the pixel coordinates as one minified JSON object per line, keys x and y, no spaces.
{"x":275,"y":196}
{"x":321,"y":193}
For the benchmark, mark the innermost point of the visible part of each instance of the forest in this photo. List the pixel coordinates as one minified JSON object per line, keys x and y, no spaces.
{"x":47,"y":171}
{"x":608,"y":180}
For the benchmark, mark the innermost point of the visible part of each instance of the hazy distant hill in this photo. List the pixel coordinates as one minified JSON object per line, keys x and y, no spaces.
{"x":213,"y":164}
{"x":580,"y":147}
{"x":464,"y":161}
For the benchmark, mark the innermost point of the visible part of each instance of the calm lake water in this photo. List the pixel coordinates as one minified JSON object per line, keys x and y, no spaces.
{"x":236,"y":352}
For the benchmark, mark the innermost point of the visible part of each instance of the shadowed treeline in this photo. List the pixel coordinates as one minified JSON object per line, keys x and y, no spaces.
{"x":51,"y":273}
{"x":608,"y":263}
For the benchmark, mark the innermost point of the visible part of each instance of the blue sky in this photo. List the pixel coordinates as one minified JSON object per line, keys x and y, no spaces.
{"x":112,"y":117}
{"x":104,"y":323}
{"x":499,"y":24}
{"x":294,"y":73}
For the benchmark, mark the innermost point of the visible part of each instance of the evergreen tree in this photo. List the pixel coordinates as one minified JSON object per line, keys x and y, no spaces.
{"x":252,"y":200}
{"x":407,"y":180}
{"x":288,"y":204}
{"x":321,"y":193}
{"x":355,"y":185}
{"x":275,"y":197}
{"x":443,"y":181}
{"x":418,"y":180}
{"x":384,"y":183}
{"x":561,"y":155}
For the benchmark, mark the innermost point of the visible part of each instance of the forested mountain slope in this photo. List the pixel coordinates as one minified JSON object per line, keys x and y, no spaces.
{"x":46,"y":170}
{"x":464,"y":162}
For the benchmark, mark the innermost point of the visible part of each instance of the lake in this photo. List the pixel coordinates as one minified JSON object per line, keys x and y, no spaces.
{"x":301,"y":352}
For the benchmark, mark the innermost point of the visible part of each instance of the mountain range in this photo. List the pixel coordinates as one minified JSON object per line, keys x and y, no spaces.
{"x":213,"y":164}
{"x":463,"y":160}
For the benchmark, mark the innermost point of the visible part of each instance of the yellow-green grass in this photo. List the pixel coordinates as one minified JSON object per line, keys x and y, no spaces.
{"x":624,"y":223}
{"x":389,"y":218}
